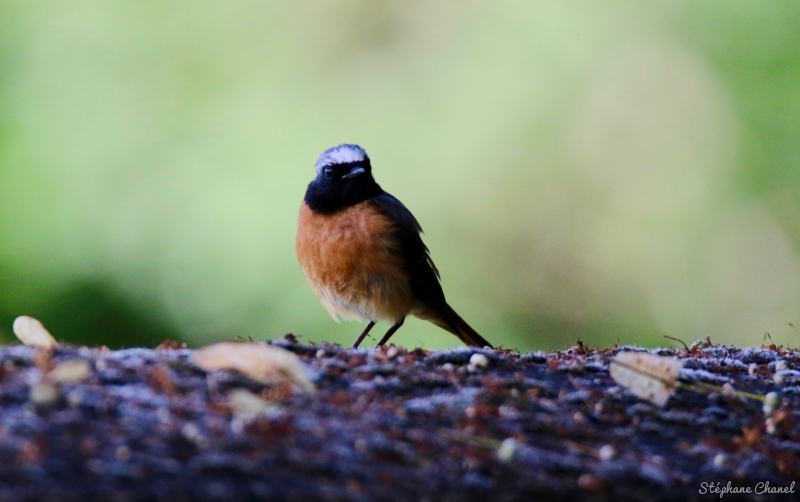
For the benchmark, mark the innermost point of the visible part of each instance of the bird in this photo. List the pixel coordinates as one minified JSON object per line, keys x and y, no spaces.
{"x":361,"y":250}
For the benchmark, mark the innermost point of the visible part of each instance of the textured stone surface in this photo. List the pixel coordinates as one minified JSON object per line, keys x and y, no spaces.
{"x":391,"y":424}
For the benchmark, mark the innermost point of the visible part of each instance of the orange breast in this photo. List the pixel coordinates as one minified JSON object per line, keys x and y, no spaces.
{"x":353,"y":264}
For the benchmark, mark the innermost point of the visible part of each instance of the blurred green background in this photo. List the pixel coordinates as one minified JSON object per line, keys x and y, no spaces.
{"x":613,"y":171}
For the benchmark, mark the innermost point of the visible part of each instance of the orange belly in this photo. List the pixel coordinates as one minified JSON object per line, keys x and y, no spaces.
{"x":352,"y":264}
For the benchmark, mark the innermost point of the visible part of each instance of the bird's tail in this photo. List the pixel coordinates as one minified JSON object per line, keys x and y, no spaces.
{"x":452,"y":322}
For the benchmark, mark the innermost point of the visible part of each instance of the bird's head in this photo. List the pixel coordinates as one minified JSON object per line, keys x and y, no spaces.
{"x":344,"y":178}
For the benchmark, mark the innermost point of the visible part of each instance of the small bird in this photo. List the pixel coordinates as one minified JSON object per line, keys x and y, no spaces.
{"x":361,"y":250}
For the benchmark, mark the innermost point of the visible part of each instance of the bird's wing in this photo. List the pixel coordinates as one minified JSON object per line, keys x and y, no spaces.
{"x":424,"y":277}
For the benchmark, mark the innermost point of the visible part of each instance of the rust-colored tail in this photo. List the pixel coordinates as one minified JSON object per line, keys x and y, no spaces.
{"x":459,"y":327}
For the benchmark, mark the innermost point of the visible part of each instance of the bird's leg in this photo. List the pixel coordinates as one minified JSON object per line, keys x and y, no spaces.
{"x":363,"y":334}
{"x":391,"y":332}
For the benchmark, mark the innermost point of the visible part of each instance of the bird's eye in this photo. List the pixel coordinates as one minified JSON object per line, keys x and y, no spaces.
{"x":328,"y":172}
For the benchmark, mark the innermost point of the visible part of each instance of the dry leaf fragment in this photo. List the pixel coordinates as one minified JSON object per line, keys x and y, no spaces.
{"x":31,"y":332}
{"x":648,"y":376}
{"x":43,"y":393}
{"x":477,"y":361}
{"x":771,"y":401}
{"x":246,"y":406}
{"x":263,"y":363}
{"x":507,"y":450}
{"x":72,"y":371}
{"x":606,"y":452}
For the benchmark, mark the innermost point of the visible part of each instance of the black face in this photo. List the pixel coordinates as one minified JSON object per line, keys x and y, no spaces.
{"x":339,"y":186}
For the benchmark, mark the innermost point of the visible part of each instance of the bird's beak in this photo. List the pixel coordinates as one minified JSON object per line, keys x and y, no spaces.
{"x":354,"y":172}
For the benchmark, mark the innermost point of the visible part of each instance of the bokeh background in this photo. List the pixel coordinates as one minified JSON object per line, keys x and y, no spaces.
{"x":613,"y":171}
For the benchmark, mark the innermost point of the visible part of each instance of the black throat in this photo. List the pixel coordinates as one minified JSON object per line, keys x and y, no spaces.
{"x":326,"y":197}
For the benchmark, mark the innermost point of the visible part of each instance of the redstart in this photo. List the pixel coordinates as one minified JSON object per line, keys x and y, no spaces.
{"x":361,"y":250}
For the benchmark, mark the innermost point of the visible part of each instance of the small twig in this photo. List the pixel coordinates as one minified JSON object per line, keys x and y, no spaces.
{"x":678,"y":340}
{"x":703,"y":386}
{"x":479,"y":441}
{"x":585,"y":449}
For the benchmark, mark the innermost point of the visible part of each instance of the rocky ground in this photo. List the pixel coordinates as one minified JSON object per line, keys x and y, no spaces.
{"x":391,"y":424}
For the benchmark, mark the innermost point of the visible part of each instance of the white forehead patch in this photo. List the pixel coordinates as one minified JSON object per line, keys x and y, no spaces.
{"x":341,"y":154}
